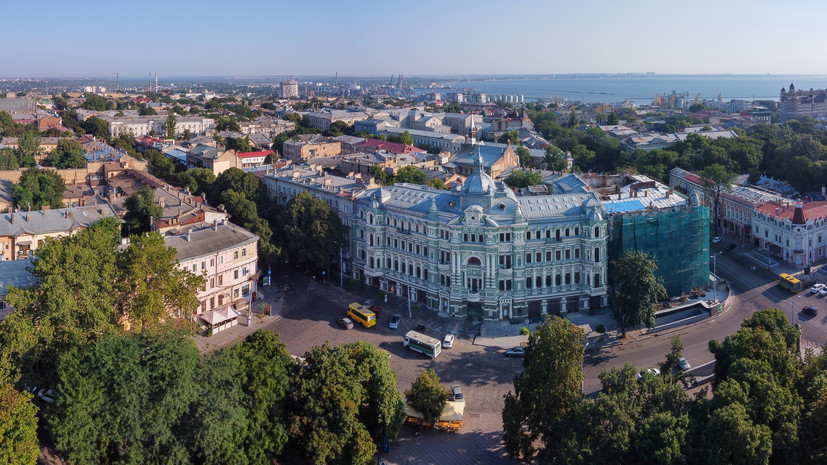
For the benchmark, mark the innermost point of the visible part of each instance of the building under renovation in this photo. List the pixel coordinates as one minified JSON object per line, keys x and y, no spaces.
{"x":649,"y":216}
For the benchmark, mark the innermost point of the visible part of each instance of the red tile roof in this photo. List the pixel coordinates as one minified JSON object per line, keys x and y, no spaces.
{"x":811,"y":210}
{"x":262,"y":153}
{"x":695,"y":178}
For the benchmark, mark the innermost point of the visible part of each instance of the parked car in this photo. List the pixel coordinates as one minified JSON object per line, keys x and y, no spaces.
{"x":514,"y":352}
{"x":647,"y":372}
{"x":368,"y":303}
{"x":345,"y":323}
{"x":456,"y":391}
{"x":684,"y":364}
{"x":817,"y":287}
{"x":46,"y":395}
{"x":448,"y":341}
{"x":810,"y":310}
{"x":823,"y":291}
{"x":717,"y":239}
{"x":394,"y":323}
{"x":730,"y":247}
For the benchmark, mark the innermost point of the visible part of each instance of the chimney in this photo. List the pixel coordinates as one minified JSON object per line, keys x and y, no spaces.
{"x":189,"y":235}
{"x":777,"y":210}
{"x":12,"y":218}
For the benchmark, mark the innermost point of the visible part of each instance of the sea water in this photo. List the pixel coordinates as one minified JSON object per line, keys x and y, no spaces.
{"x":640,"y":89}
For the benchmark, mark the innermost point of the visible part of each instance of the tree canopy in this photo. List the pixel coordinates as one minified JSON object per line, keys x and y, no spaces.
{"x":38,"y":187}
{"x":68,"y":154}
{"x":18,"y":427}
{"x":427,"y":396}
{"x":309,"y":231}
{"x":521,"y":178}
{"x":637,"y":290}
{"x":140,"y":209}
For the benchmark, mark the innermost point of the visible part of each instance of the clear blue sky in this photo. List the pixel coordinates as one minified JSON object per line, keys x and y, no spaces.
{"x":426,"y":37}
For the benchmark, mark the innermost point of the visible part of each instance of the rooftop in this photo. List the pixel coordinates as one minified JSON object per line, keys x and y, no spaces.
{"x":208,"y":240}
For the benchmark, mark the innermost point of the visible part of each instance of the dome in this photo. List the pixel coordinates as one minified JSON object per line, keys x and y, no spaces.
{"x":478,"y":182}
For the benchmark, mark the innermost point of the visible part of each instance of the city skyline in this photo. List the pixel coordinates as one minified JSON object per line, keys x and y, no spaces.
{"x":426,"y":39}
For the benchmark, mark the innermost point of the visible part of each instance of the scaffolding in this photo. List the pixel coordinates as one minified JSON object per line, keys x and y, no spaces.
{"x":678,"y":238}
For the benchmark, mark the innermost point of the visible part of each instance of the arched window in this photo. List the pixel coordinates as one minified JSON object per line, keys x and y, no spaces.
{"x":370,"y":218}
{"x":371,"y":241}
{"x":474,"y":261}
{"x":597,"y":231}
{"x":596,"y":255}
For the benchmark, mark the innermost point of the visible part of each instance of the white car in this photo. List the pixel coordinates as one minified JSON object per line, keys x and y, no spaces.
{"x":816,"y":288}
{"x":823,"y":291}
{"x":46,"y":395}
{"x":647,"y":372}
{"x":684,"y":364}
{"x":448,"y":342}
{"x":717,"y":239}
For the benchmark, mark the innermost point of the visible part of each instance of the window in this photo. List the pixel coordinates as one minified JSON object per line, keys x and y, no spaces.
{"x":576,"y":231}
{"x":502,"y":286}
{"x":567,"y":232}
{"x":576,"y":253}
{"x":597,"y":231}
{"x":538,"y":282}
{"x":568,"y":278}
{"x":596,"y":254}
{"x":212,"y":262}
{"x":557,"y":234}
{"x":568,"y":254}
{"x":528,"y":258}
{"x":221,"y":260}
{"x":576,"y":277}
{"x":557,"y":255}
{"x":235,"y":274}
{"x":548,"y":280}
{"x":548,"y":233}
{"x":212,"y":302}
{"x":221,"y":280}
{"x":194,"y":268}
{"x":212,"y":283}
{"x":548,"y":256}
{"x":597,"y":280}
{"x":473,"y":238}
{"x":557,"y":279}
{"x":203,"y":265}
{"x":528,"y":283}
{"x":465,"y":237}
{"x":235,"y":255}
{"x":244,"y":252}
{"x":538,"y":257}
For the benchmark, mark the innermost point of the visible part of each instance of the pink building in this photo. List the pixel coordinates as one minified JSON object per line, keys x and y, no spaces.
{"x":226,"y":255}
{"x":736,"y":210}
{"x":796,"y":234}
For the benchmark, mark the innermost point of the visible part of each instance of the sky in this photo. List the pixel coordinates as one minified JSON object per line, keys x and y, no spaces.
{"x":179,"y":38}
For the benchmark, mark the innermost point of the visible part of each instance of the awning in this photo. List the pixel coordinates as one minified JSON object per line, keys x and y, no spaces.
{"x":219,"y":315}
{"x":23,"y":243}
{"x":453,"y":411}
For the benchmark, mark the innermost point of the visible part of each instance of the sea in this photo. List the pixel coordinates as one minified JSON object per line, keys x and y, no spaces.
{"x":639,"y":88}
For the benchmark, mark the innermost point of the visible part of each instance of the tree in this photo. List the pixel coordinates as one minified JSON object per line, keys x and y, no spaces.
{"x":405,"y":138}
{"x":437,"y":183}
{"x":235,"y":179}
{"x":140,"y":210}
{"x":8,"y":161}
{"x":38,"y":187}
{"x":239,"y":144}
{"x":124,"y":399}
{"x":97,"y":127}
{"x":18,"y":427}
{"x":637,"y":290}
{"x":544,"y":407}
{"x":555,"y":159}
{"x":94,"y":102}
{"x":68,"y":154}
{"x":380,"y":175}
{"x":520,"y":179}
{"x":342,"y":402}
{"x":411,"y":174}
{"x":309,"y":231}
{"x":29,"y":143}
{"x":511,"y":137}
{"x":524,"y":155}
{"x":147,"y":111}
{"x":731,"y":438}
{"x":427,"y":396}
{"x":716,"y":179}
{"x":151,"y":286}
{"x":613,"y":118}
{"x":169,"y":125}
{"x":242,"y":211}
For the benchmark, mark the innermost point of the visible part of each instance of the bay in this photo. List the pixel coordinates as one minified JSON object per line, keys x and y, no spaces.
{"x":640,"y":89}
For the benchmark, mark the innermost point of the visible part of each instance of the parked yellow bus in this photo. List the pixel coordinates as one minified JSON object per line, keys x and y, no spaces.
{"x":361,"y":314}
{"x":789,"y":283}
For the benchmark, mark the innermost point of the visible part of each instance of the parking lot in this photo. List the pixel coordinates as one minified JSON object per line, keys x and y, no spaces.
{"x":484,"y":373}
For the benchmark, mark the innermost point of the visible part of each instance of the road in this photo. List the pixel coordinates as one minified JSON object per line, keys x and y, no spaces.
{"x":752,"y":290}
{"x":486,"y":375}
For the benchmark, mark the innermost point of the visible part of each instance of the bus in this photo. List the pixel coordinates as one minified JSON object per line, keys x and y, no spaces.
{"x":361,"y":315}
{"x":423,"y":344}
{"x":789,"y":283}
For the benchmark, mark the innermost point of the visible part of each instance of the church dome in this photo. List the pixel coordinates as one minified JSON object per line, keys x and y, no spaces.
{"x":479,"y":182}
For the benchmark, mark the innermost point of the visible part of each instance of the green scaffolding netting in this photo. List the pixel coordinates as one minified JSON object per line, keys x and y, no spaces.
{"x":678,"y":239}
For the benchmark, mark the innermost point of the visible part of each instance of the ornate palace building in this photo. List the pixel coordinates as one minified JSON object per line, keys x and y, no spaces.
{"x":796,"y":103}
{"x":483,"y":249}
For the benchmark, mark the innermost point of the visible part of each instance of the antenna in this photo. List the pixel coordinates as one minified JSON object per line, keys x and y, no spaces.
{"x":156,"y":81}
{"x":149,"y":83}
{"x":117,"y":82}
